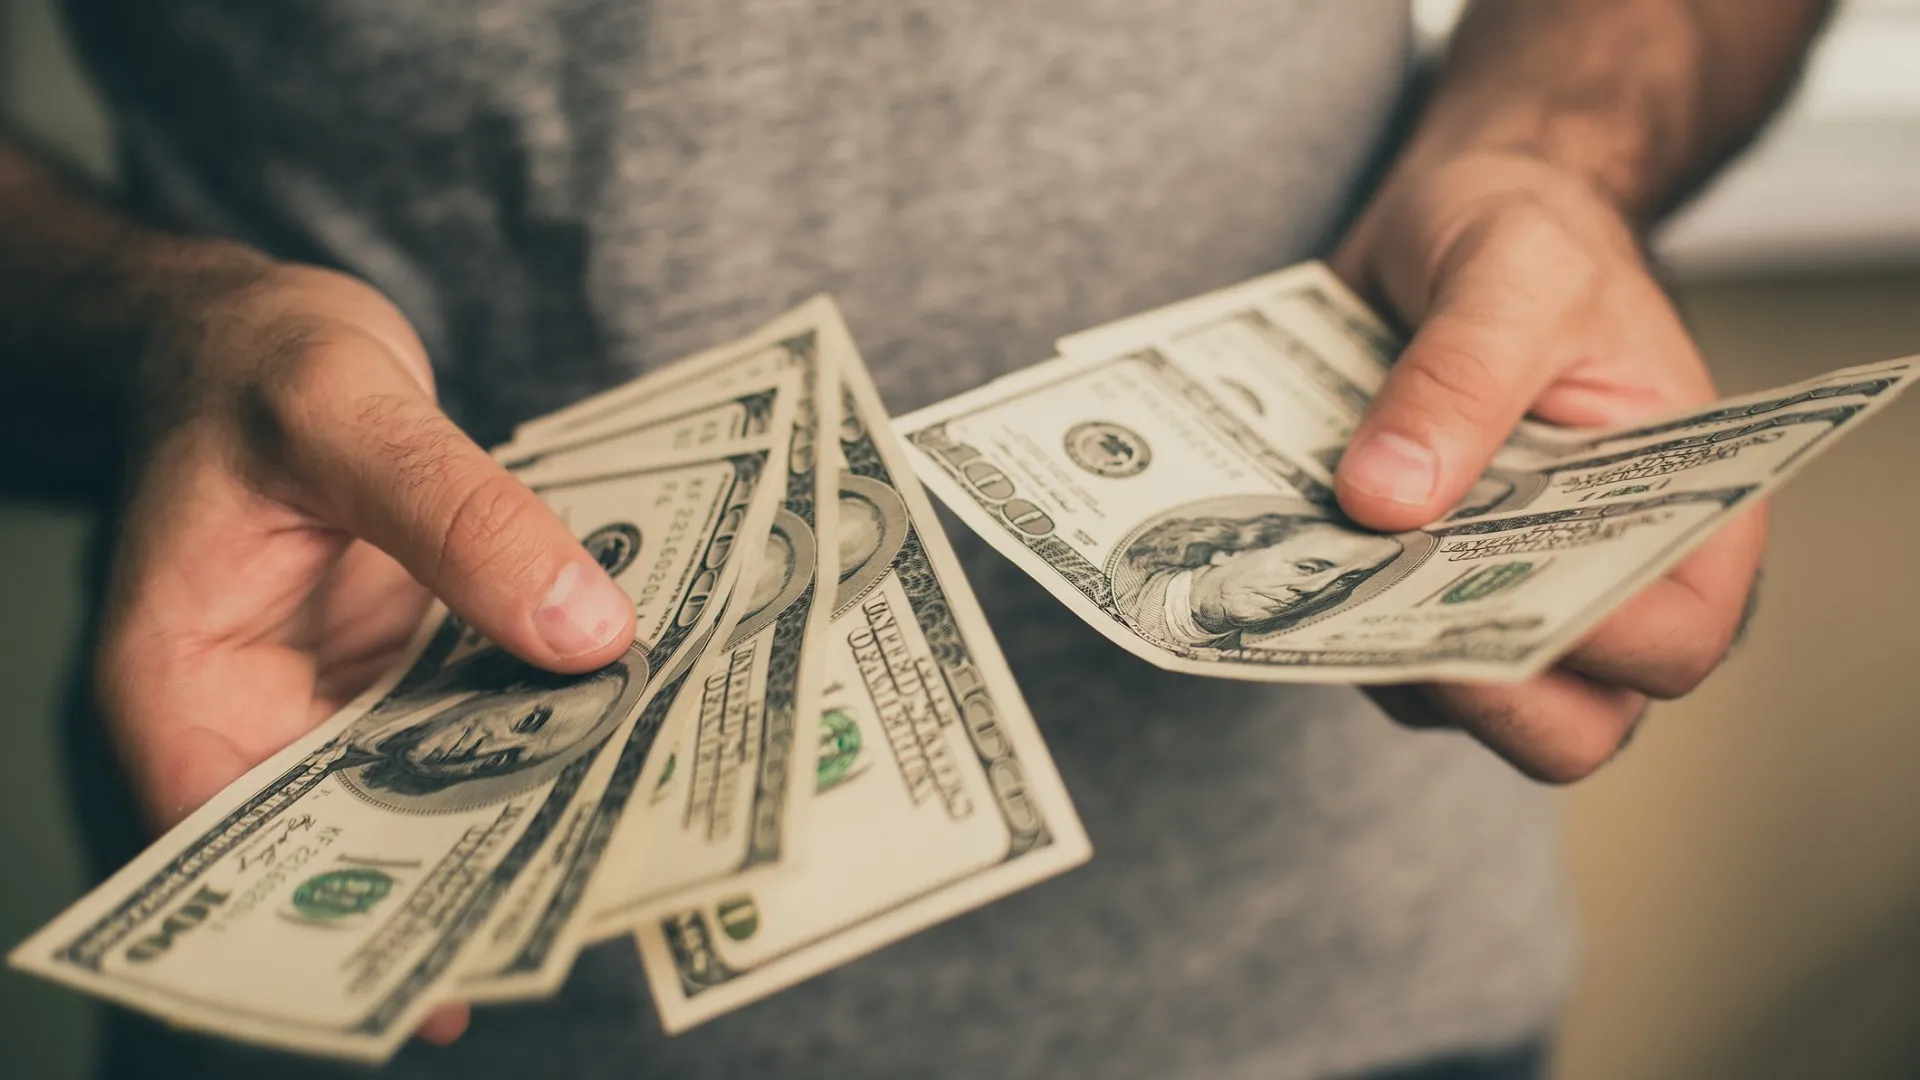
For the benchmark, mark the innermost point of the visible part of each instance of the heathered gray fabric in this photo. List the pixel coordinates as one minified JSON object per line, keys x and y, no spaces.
{"x":561,"y":192}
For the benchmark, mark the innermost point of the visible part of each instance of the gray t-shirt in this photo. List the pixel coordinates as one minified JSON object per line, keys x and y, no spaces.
{"x":562,"y":192}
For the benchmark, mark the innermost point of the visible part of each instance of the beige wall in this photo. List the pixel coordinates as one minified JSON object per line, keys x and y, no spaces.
{"x":1750,"y":869}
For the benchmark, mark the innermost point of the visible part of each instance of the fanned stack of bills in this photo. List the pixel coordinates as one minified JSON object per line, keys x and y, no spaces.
{"x":811,"y":664}
{"x":1169,"y":478}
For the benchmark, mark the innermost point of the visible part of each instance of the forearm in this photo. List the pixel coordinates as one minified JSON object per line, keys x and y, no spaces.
{"x":83,"y":290}
{"x":1644,"y":98}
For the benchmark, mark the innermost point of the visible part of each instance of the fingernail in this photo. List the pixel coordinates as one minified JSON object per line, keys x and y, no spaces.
{"x":582,"y":611}
{"x":1392,"y":467}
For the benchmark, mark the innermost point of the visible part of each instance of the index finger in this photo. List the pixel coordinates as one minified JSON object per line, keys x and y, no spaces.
{"x":1671,"y":635}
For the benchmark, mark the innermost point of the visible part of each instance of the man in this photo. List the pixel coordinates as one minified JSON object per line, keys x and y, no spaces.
{"x":1207,"y":582}
{"x":544,"y":196}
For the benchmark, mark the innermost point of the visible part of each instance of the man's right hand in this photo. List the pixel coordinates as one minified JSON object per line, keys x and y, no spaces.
{"x":297,"y":495}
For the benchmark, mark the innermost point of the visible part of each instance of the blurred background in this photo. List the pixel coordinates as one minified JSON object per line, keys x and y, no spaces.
{"x":1749,"y":872}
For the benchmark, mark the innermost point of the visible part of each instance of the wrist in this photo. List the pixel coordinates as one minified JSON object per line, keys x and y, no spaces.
{"x":1608,"y":161}
{"x":1433,"y":210}
{"x":170,"y":279}
{"x":175,"y":291}
{"x":1637,"y":97}
{"x":225,"y":323}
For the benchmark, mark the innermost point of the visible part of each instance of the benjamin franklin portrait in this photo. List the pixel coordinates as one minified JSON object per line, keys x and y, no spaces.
{"x":485,"y":728}
{"x":1204,"y":580}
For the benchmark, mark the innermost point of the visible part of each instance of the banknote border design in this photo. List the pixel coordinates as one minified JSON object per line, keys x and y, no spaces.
{"x":1057,"y":559}
{"x":87,"y":948}
{"x":788,"y":667}
{"x":798,"y":500}
{"x":779,"y":726}
{"x":798,"y":585}
{"x":1328,"y":378}
{"x":757,"y":410}
{"x":1836,"y":418}
{"x":1314,"y":282}
{"x":1228,"y":426}
{"x":1079,"y":571}
{"x":932,"y":608}
{"x":604,"y":815}
{"x":999,"y":515}
{"x":896,"y":526}
{"x":377,"y":1019}
{"x":1869,"y":387}
{"x":685,"y":376}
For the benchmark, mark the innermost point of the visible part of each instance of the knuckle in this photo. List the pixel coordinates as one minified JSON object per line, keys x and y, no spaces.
{"x":1679,"y":660}
{"x":308,"y":368}
{"x":1537,"y":250}
{"x":489,"y":523}
{"x":1550,"y":749}
{"x":1663,"y":658}
{"x":299,"y":372}
{"x":1450,"y":384}
{"x":291,"y":357}
{"x":416,"y":443}
{"x":460,"y":515}
{"x":1576,"y":752}
{"x":1682,"y":673}
{"x":303,"y":398}
{"x":1528,"y":230}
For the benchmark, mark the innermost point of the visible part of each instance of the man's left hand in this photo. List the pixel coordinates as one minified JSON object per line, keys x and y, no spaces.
{"x":1531,"y":296}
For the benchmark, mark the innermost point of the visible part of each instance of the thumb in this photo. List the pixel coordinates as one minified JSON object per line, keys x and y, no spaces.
{"x":1480,"y":358}
{"x":387,"y":465}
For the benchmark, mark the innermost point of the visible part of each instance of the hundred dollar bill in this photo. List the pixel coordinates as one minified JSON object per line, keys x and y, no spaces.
{"x":726,"y":793}
{"x":704,"y":400}
{"x":322,"y":902}
{"x":1179,"y":502}
{"x":529,"y":944}
{"x":665,"y":429}
{"x":745,"y":724}
{"x":1313,"y":306}
{"x":1294,"y":354}
{"x":1760,"y":437}
{"x":934,"y":793}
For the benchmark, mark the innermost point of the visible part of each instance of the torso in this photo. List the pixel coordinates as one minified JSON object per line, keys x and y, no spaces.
{"x":562,"y":192}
